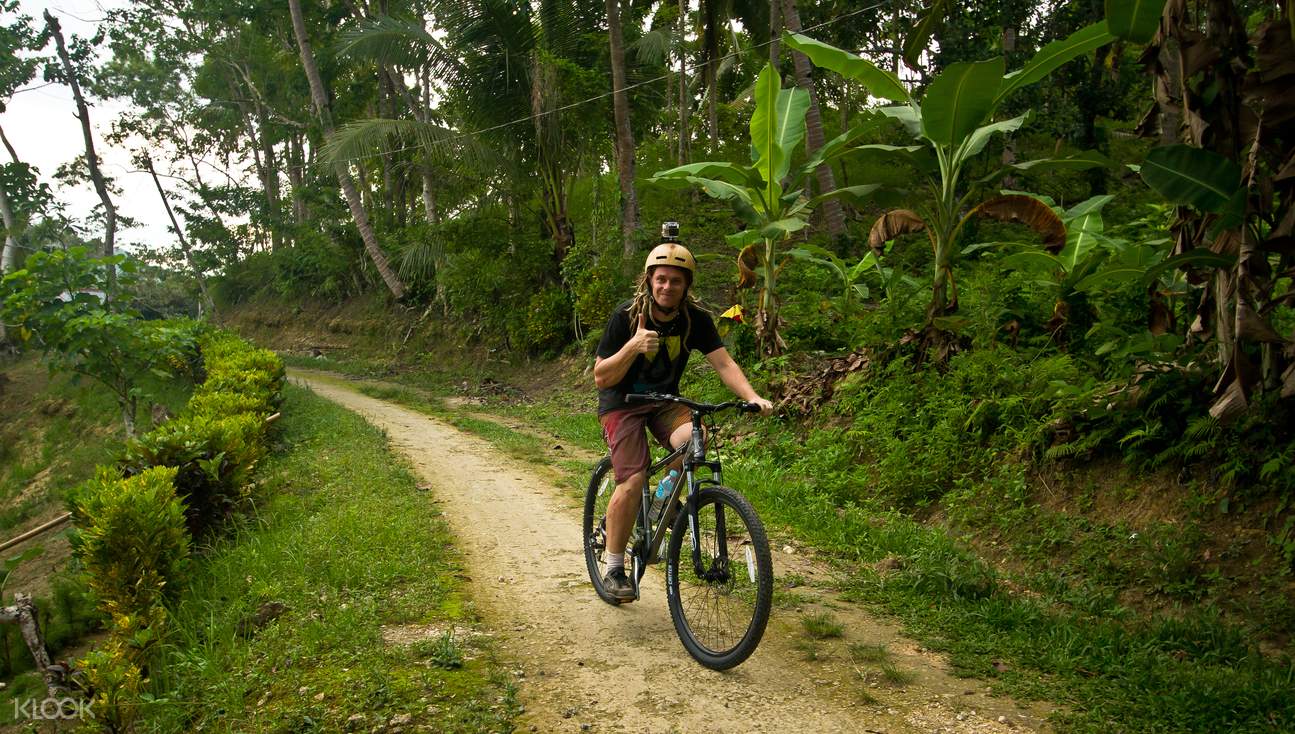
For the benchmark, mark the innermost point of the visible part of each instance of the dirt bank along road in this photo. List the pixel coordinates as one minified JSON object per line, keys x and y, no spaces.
{"x":583,"y":665}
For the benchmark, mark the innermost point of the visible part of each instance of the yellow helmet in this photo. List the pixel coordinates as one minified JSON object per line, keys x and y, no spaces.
{"x":671,"y":253}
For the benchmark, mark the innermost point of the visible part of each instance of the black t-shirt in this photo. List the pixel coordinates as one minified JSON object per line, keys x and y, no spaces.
{"x":662,"y":373}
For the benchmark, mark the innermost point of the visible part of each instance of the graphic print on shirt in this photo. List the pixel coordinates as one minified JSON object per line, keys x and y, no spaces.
{"x":658,"y":371}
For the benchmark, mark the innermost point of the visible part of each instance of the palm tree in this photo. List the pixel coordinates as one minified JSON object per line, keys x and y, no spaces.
{"x":320,"y":98}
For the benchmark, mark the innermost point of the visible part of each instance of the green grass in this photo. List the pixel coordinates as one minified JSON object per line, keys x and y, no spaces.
{"x":517,"y":444}
{"x":864,"y":652}
{"x":344,"y":540}
{"x":822,"y":626}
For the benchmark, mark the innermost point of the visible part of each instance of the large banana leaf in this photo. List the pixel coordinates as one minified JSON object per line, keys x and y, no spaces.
{"x":1200,"y":257}
{"x":1134,"y":20}
{"x":959,"y":99}
{"x":1091,"y":204}
{"x":780,"y":229}
{"x":854,"y":194}
{"x":834,"y":148}
{"x":743,"y":199}
{"x":920,"y":36}
{"x":1026,"y":210}
{"x":917,"y":157}
{"x":1082,"y":235}
{"x":880,"y":83}
{"x":1054,"y":55}
{"x":724,"y":171}
{"x":1077,"y":162}
{"x":980,"y":137}
{"x":1127,"y":266}
{"x":908,"y":115}
{"x":892,"y":224}
{"x":1193,"y":176}
{"x":777,"y":125}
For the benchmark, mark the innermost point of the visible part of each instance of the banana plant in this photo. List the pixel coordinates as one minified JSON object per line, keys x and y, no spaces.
{"x":853,"y":280}
{"x":769,"y":197}
{"x":951,"y":125}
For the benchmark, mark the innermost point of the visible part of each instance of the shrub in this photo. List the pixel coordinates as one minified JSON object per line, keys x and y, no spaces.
{"x":212,"y":457}
{"x":548,"y":321}
{"x":115,"y":672}
{"x":223,"y":403}
{"x":131,"y":538}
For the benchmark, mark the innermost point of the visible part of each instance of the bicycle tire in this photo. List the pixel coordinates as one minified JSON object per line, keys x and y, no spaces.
{"x":708,"y":612}
{"x":602,"y":484}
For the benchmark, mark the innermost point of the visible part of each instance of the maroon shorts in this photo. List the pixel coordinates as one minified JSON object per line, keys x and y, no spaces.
{"x":623,"y":431}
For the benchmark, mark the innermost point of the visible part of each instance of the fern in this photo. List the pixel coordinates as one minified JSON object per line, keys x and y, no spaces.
{"x":1204,"y":428}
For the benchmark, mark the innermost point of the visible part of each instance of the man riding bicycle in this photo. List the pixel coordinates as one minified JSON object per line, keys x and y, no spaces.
{"x":645,"y":348}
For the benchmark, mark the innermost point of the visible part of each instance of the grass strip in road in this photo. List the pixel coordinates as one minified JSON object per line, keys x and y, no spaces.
{"x":283,"y":627}
{"x":516,"y":443}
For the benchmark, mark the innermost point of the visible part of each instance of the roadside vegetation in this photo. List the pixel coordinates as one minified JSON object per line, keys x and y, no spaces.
{"x":336,"y":605}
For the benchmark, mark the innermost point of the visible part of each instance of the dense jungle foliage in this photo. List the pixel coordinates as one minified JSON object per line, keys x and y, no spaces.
{"x":1021,"y":270}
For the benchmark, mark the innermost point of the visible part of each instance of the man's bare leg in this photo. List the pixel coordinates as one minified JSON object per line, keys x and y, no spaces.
{"x":622,"y":508}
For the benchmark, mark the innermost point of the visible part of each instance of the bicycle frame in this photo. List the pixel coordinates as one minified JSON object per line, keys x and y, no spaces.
{"x":694,"y":457}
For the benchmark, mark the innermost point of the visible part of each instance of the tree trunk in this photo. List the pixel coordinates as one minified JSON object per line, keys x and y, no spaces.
{"x":624,"y":135}
{"x":429,"y":195}
{"x":272,"y":197}
{"x":9,"y":259}
{"x":553,"y":199}
{"x":92,"y":158}
{"x":343,"y":176}
{"x":23,"y":614}
{"x":207,"y":305}
{"x":685,"y":104}
{"x":832,"y":215}
{"x":710,"y":52}
{"x":296,"y":178}
{"x":712,"y":103}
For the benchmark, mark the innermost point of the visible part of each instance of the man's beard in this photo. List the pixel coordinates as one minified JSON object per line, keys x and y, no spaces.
{"x":668,"y":311}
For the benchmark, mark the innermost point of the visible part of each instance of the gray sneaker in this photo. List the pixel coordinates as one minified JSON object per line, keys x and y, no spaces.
{"x":617,"y":585}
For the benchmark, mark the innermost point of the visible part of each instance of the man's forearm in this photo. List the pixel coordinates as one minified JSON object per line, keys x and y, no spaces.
{"x":609,"y":371}
{"x":735,"y":380}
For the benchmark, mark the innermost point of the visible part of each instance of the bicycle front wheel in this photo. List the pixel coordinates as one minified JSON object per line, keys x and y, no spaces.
{"x":720,"y":603}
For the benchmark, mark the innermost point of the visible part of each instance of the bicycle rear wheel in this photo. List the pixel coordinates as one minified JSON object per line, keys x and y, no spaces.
{"x":602,"y":485}
{"x":720,"y":609}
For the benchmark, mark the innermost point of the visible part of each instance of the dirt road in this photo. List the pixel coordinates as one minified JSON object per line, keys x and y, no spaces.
{"x":587,"y":666}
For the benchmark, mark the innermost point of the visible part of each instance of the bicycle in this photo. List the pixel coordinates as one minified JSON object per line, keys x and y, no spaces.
{"x":720,"y":601}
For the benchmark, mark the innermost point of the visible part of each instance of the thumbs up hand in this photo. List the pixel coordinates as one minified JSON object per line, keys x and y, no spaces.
{"x":645,"y":341}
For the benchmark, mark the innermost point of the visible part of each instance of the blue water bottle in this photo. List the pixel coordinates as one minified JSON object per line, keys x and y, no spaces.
{"x":663,"y":490}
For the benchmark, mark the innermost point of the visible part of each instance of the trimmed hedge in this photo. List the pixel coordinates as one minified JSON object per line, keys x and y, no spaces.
{"x":136,"y":521}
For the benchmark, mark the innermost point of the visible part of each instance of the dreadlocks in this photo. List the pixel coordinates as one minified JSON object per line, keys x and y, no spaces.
{"x":642,"y":302}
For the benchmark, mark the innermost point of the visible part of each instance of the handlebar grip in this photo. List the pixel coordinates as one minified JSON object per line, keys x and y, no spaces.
{"x":746,"y":407}
{"x":638,"y":397}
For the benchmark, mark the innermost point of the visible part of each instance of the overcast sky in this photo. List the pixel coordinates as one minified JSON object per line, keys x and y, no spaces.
{"x":42,"y":126}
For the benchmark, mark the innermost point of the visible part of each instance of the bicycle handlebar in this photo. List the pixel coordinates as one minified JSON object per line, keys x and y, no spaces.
{"x":704,"y":408}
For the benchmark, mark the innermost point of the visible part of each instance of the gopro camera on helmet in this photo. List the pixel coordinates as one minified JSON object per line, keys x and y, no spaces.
{"x":669,"y":231}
